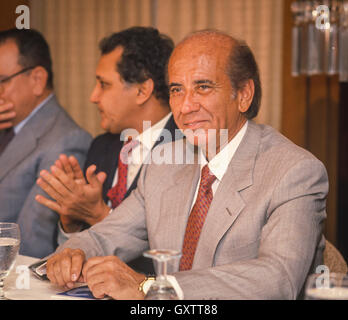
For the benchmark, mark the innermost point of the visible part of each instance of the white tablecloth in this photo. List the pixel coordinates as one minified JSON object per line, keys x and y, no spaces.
{"x":38,"y":289}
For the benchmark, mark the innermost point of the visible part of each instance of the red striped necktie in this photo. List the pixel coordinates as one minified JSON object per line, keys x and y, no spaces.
{"x":116,"y":194}
{"x":196,"y":219}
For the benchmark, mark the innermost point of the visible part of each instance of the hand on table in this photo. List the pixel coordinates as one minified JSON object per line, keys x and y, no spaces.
{"x":75,"y":199}
{"x":105,"y":276}
{"x":7,"y":114}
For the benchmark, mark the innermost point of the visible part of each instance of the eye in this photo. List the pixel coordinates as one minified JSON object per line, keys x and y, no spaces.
{"x":175,"y":91}
{"x":102,"y":84}
{"x":203,"y":88}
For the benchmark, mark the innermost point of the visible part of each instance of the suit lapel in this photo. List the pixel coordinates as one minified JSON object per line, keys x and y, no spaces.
{"x":175,"y":206}
{"x":25,"y":142}
{"x":110,"y":163}
{"x":227,"y":203}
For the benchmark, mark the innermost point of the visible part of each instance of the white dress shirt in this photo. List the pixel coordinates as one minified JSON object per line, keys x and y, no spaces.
{"x":219,"y":163}
{"x":138,"y":155}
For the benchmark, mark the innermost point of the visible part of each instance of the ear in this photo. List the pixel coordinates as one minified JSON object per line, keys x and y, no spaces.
{"x":245,"y":96}
{"x":39,"y":78}
{"x":144,"y":91}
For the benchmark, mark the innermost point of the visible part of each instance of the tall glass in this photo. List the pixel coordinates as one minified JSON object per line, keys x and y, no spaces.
{"x":330,"y":286}
{"x":9,"y":246}
{"x":162,"y":289}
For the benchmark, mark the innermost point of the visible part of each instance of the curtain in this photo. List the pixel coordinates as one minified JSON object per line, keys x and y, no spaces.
{"x":73,"y":29}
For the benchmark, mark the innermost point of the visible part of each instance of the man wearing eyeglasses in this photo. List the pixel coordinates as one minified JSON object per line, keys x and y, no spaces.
{"x":34,"y":130}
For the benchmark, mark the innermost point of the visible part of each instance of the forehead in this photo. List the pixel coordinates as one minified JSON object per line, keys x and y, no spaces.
{"x":107,"y":62}
{"x":198,"y":59}
{"x":8,"y":57}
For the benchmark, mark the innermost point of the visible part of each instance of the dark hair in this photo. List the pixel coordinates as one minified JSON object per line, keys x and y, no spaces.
{"x":241,"y":67}
{"x":145,"y":55}
{"x":33,"y":49}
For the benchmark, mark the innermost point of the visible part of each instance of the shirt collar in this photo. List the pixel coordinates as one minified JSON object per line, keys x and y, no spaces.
{"x":219,"y":163}
{"x":20,"y":125}
{"x":150,"y":135}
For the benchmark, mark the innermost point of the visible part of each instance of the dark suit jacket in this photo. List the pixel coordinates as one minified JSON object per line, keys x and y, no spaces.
{"x":103,"y":153}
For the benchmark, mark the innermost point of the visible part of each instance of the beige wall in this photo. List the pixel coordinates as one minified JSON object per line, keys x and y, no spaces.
{"x":74,"y":28}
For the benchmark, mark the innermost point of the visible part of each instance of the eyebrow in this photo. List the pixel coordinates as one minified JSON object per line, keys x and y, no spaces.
{"x":203,"y":81}
{"x":174,"y":84}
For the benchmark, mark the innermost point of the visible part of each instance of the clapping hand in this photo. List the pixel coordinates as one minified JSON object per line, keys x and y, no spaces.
{"x":75,"y":199}
{"x":7,"y":114}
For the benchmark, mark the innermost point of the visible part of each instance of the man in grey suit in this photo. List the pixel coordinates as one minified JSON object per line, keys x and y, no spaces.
{"x":34,"y":133}
{"x":247,"y":214}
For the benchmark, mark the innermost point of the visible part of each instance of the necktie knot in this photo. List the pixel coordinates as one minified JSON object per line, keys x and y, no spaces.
{"x":127,"y":148}
{"x":207,"y":178}
{"x":117,"y":193}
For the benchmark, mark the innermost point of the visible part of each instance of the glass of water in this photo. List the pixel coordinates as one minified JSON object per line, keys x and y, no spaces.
{"x":162,"y":289}
{"x":9,"y":246}
{"x":327,"y":286}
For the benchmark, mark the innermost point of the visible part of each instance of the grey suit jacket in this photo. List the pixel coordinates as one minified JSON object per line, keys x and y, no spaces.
{"x":263,"y":232}
{"x":38,"y":144}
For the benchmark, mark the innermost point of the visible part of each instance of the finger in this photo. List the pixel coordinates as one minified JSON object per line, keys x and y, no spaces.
{"x":66,"y":182}
{"x":101,"y":176}
{"x":58,"y":164}
{"x":49,"y":203}
{"x":65,"y":267}
{"x":7,"y":116}
{"x":98,"y":285}
{"x":78,"y":173}
{"x":5,"y":125}
{"x":58,"y":273}
{"x":66,"y":166}
{"x":50,"y":270}
{"x":47,"y":187}
{"x":92,"y":177}
{"x":77,"y":261}
{"x":90,"y":265}
{"x":6,"y":107}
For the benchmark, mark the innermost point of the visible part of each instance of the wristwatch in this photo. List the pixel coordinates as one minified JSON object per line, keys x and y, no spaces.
{"x":145,"y":285}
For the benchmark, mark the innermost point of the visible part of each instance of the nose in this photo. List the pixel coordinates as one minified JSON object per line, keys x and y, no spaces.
{"x":94,"y":98}
{"x":190,"y":103}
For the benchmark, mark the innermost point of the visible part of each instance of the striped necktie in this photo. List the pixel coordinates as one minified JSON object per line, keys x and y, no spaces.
{"x":196,"y":219}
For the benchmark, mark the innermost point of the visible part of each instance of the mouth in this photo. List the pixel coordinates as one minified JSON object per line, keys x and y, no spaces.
{"x":194,"y":124}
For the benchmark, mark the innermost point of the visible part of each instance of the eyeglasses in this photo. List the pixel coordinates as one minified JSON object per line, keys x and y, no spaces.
{"x":4,"y":80}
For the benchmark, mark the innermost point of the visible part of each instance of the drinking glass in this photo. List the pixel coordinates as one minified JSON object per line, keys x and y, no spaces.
{"x":330,"y":286}
{"x":161,"y":289}
{"x":9,"y":246}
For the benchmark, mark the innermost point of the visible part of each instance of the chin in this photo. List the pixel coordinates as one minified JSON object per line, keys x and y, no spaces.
{"x":196,"y":138}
